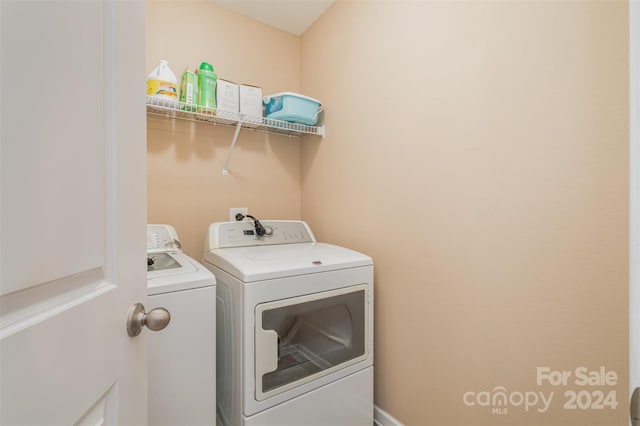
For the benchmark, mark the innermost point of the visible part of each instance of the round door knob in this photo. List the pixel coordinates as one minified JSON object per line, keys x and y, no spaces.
{"x":155,"y":320}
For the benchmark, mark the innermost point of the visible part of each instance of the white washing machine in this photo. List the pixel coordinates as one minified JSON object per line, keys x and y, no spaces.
{"x":182,"y":357}
{"x":294,"y":326}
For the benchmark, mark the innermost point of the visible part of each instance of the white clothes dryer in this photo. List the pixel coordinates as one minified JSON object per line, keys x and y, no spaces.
{"x":294,"y":326}
{"x":182,"y":357}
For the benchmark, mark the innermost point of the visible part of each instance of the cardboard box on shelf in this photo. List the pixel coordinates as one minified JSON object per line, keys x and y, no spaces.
{"x":251,"y":103}
{"x":227,"y":97}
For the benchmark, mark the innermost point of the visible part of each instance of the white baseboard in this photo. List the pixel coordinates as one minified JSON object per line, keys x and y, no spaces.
{"x":382,"y":418}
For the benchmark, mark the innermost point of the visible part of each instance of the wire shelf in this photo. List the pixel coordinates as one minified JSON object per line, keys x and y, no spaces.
{"x":174,"y":109}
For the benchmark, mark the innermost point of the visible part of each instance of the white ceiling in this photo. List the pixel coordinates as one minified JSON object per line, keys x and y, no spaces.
{"x":293,"y":16}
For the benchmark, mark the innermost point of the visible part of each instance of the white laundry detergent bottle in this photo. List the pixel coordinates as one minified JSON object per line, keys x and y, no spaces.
{"x":162,"y":85}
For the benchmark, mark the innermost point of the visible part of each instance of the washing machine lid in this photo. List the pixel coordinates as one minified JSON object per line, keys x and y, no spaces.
{"x":175,"y":272}
{"x":256,"y":263}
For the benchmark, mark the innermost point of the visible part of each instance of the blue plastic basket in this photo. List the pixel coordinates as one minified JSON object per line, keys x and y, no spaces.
{"x":292,"y":107}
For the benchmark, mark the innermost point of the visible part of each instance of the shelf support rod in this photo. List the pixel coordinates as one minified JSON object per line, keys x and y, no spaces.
{"x":225,"y":168}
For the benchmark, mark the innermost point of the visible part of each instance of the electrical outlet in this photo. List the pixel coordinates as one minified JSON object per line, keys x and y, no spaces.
{"x":233,"y":211}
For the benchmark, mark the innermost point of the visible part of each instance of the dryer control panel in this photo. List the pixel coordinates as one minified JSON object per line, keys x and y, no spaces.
{"x":243,"y":234}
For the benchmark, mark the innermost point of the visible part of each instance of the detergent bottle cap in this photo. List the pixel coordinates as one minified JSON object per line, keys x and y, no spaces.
{"x":206,"y":66}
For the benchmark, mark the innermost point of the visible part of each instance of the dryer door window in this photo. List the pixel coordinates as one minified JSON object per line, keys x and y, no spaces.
{"x":301,"y":339}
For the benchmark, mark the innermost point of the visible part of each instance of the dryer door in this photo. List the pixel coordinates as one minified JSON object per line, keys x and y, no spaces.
{"x":300,"y":339}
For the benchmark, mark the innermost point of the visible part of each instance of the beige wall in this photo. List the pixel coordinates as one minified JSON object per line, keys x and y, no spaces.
{"x":185,"y":186}
{"x":478,"y":151}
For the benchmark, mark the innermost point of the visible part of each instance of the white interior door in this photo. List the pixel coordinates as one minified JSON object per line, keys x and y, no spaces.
{"x":72,"y":212}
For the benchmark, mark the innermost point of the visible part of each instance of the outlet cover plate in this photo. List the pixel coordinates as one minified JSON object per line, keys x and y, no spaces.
{"x":235,"y":210}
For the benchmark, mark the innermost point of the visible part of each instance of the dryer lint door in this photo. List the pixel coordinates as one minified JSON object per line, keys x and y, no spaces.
{"x":301,"y":339}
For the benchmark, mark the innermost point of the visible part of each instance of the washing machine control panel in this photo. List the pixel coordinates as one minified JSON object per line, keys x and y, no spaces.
{"x":162,"y":238}
{"x":243,"y":234}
